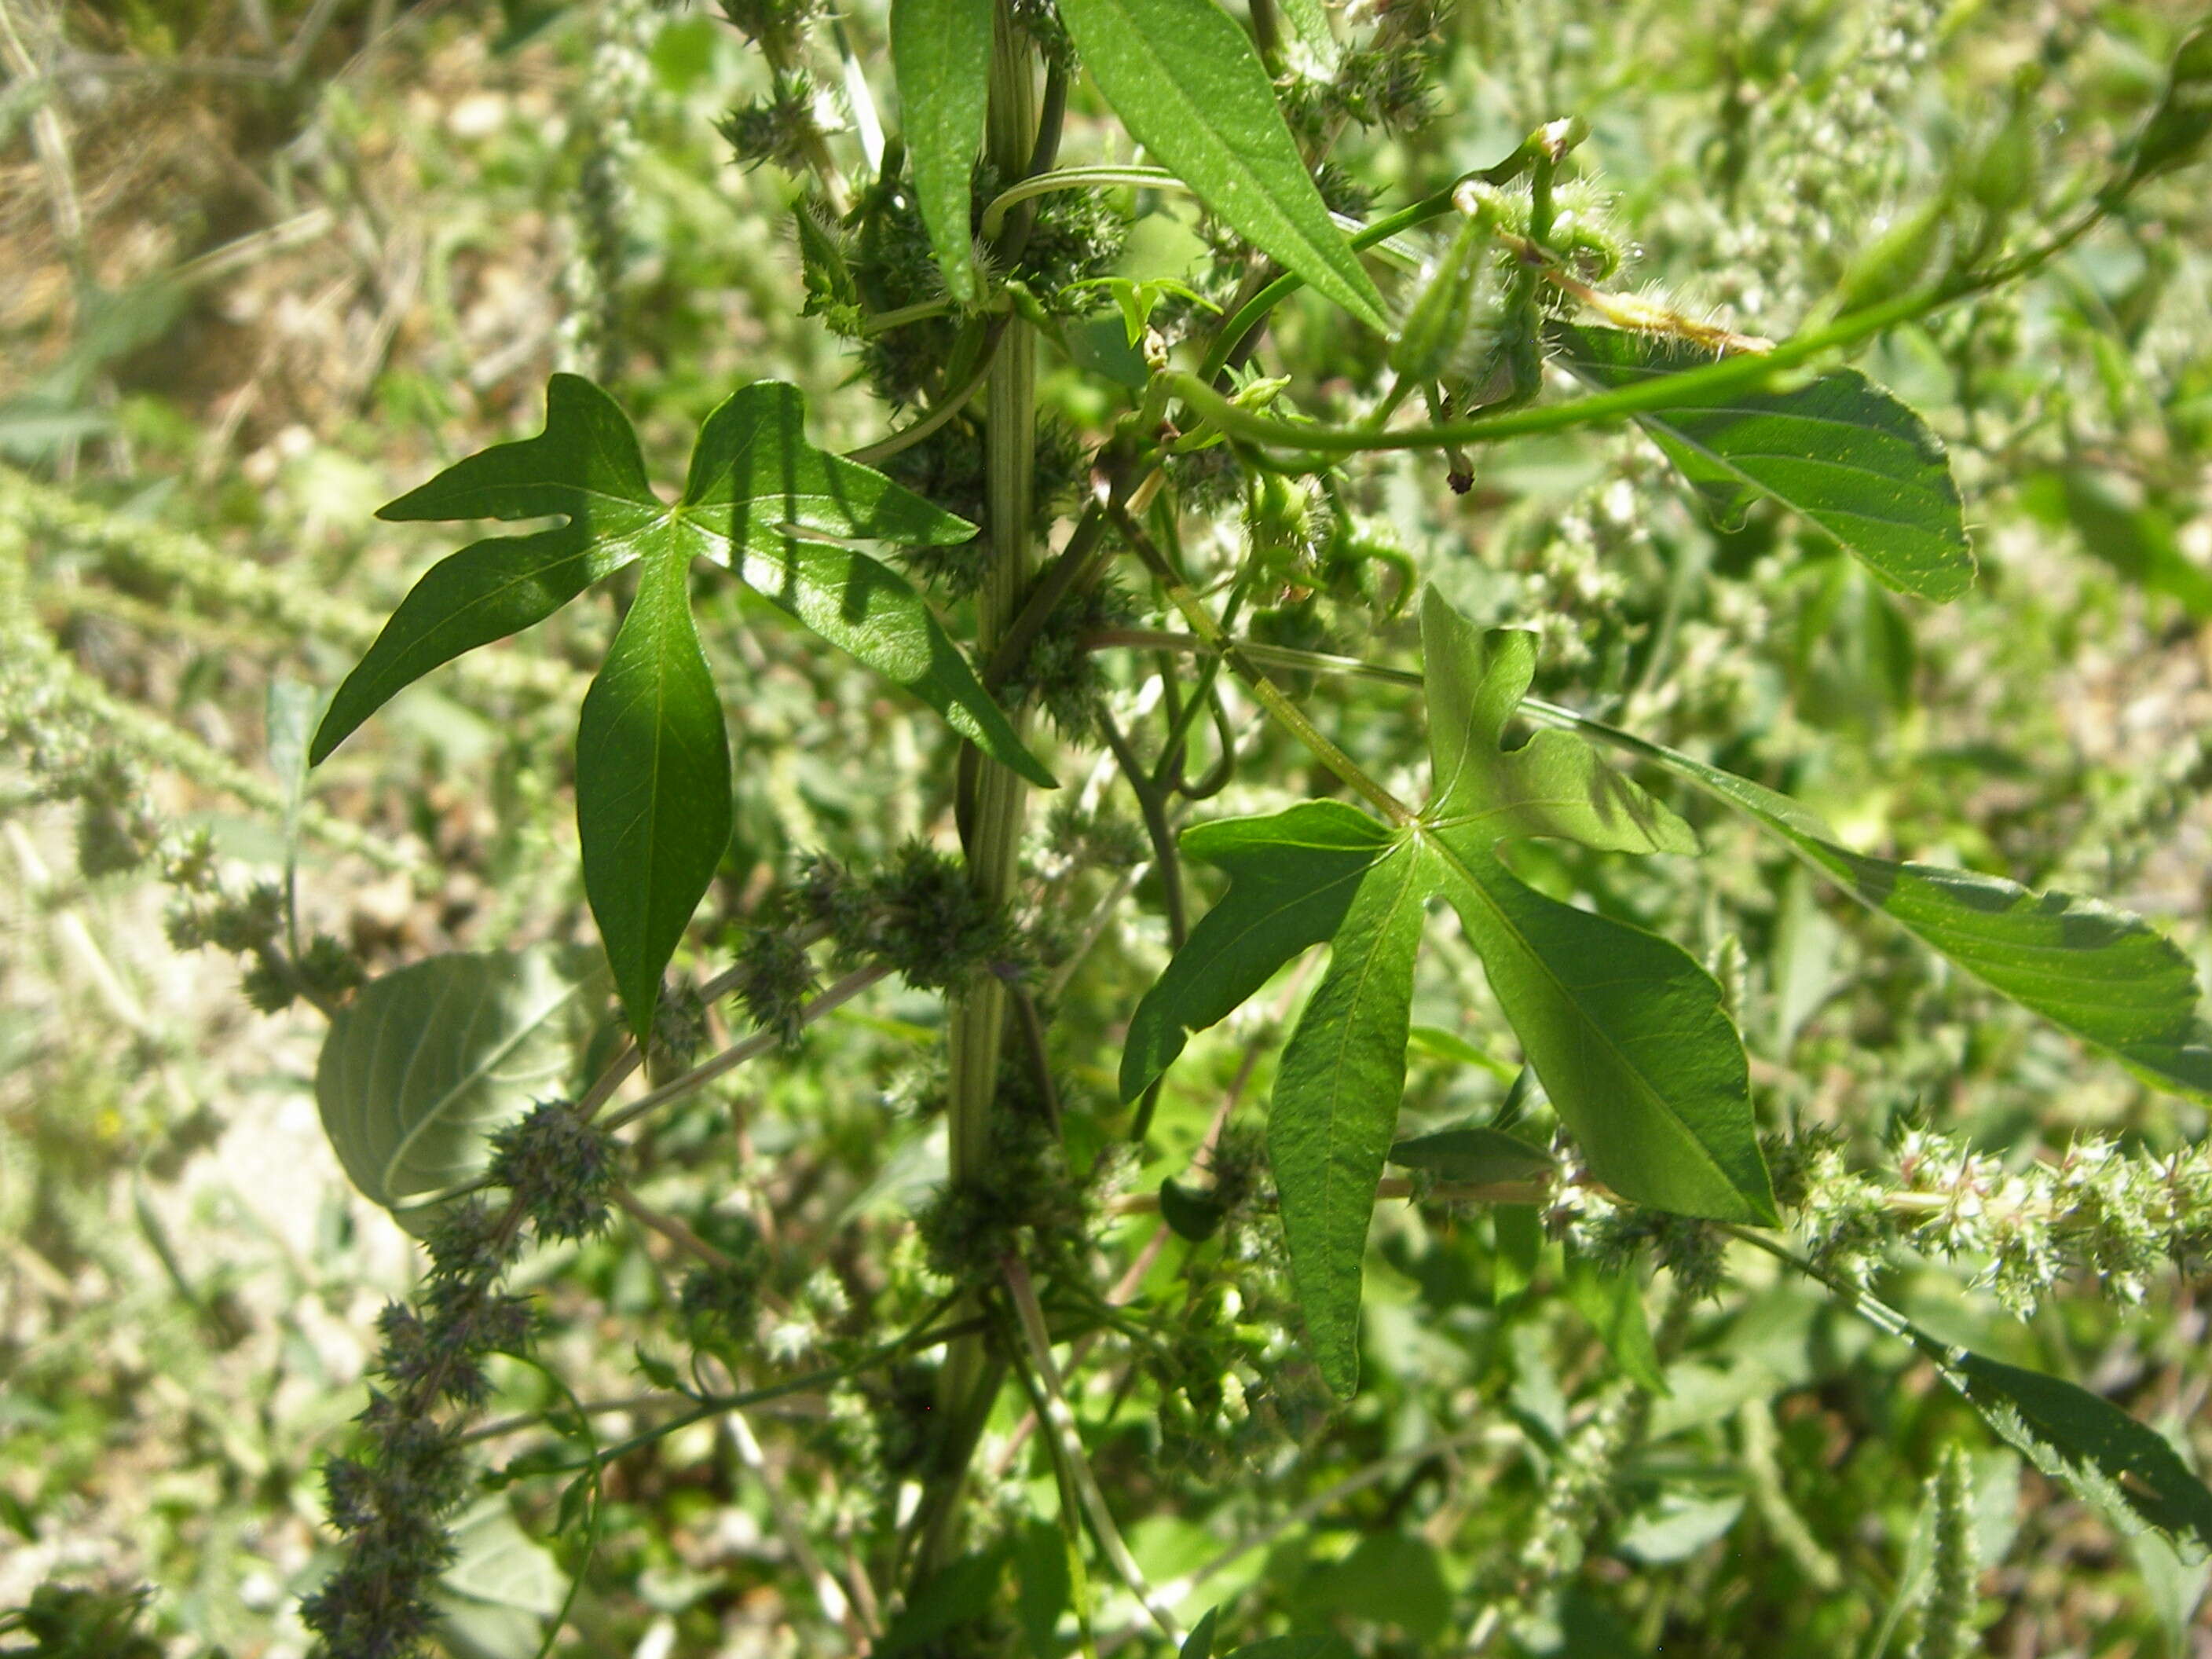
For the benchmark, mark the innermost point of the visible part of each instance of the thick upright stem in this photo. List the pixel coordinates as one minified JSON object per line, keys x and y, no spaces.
{"x":994,"y":839}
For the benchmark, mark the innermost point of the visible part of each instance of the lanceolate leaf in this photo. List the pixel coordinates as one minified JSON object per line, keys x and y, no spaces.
{"x":1626,"y":1033}
{"x":419,"y":1068}
{"x":1292,"y":876}
{"x":1474,"y":1154}
{"x":2125,"y":1468}
{"x":1839,"y":450}
{"x":1555,"y":784}
{"x":1186,"y":81}
{"x":941,"y":54}
{"x":584,"y":467}
{"x":755,"y":480}
{"x":2108,"y":977}
{"x":1335,"y":1106}
{"x":653,"y":785}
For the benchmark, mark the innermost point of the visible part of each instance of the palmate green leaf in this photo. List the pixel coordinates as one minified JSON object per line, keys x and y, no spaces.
{"x":1838,"y":450}
{"x":426,"y":1060}
{"x":2108,"y":977}
{"x":1185,"y":81}
{"x":1555,"y":784}
{"x":1291,"y":877}
{"x":941,"y":55}
{"x":653,"y":785}
{"x":1334,"y":1111}
{"x":1628,"y":1036}
{"x":652,"y":760}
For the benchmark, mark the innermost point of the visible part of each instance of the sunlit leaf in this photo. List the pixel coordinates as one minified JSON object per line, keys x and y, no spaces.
{"x":1836,"y":449}
{"x":1555,"y":784}
{"x":2108,"y":977}
{"x":1185,"y":81}
{"x":941,"y":55}
{"x":1292,"y":876}
{"x":653,"y":785}
{"x":1628,"y":1036}
{"x":1335,"y":1106}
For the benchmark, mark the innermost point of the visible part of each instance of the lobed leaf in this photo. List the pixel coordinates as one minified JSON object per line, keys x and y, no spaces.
{"x":1555,"y":784}
{"x":1837,"y":450}
{"x":1291,"y":877}
{"x":1335,"y":1105}
{"x":1626,"y":1033}
{"x":653,"y":787}
{"x":1185,"y":81}
{"x":418,"y":1069}
{"x":941,"y":58}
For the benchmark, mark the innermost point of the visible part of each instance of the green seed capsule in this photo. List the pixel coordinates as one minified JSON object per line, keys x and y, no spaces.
{"x":1893,"y":262}
{"x":1440,"y":316}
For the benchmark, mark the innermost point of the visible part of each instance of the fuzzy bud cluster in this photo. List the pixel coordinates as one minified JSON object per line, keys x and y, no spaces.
{"x":918,"y":915}
{"x":2098,"y":1212}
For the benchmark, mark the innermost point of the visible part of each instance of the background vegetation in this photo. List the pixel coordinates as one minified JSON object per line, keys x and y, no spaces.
{"x":273,"y":263}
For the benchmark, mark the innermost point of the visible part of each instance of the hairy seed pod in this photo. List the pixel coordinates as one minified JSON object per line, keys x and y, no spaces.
{"x":1440,"y":317}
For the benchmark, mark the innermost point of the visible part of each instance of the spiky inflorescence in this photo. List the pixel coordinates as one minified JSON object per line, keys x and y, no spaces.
{"x":1947,"y":1622}
{"x":392,"y":1498}
{"x":590,"y":335}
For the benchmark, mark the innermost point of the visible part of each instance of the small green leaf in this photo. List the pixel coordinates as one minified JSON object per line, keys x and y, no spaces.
{"x":1520,"y":1231}
{"x":1335,"y":1105}
{"x":653,"y":785}
{"x":584,"y":467}
{"x":1613,"y":1305}
{"x":1838,"y":449}
{"x":2125,"y":1468}
{"x":755,"y":480}
{"x":1555,"y":784}
{"x":425,"y":1061}
{"x":2180,"y":126}
{"x":1676,"y":1524}
{"x":1185,"y":80}
{"x":1390,"y":1577}
{"x":941,"y":55}
{"x":1627,"y":1035}
{"x":1474,"y":1155}
{"x":1043,"y":1585}
{"x":1190,"y":1215}
{"x":1291,"y":878}
{"x":2106,"y":976}
{"x":963,"y":1590}
{"x":501,"y":1566}
{"x":1198,"y":1644}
